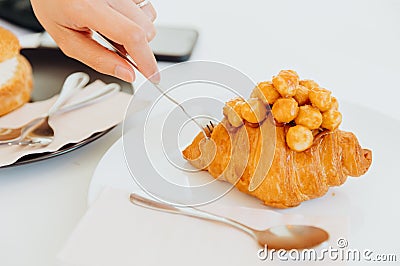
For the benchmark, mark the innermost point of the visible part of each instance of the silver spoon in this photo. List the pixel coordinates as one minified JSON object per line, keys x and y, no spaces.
{"x":8,"y":135}
{"x":277,"y":237}
{"x":72,"y":84}
{"x":40,"y":133}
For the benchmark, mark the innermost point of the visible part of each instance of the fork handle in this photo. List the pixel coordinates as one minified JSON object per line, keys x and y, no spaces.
{"x":97,"y":96}
{"x":188,"y":211}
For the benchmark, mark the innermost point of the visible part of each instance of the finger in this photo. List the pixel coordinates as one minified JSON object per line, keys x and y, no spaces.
{"x":80,"y":46}
{"x":148,"y":10}
{"x":129,"y":9}
{"x":129,"y":34}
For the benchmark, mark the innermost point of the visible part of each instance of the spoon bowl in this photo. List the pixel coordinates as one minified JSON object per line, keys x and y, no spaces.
{"x":8,"y":135}
{"x":291,"y":237}
{"x":38,"y":132}
{"x":278,"y":237}
{"x":72,"y":84}
{"x":42,"y":134}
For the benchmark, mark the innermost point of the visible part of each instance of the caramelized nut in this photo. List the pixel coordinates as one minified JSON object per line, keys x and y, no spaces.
{"x":334,"y":104}
{"x":299,"y":138}
{"x":309,"y":117}
{"x":320,"y":98}
{"x":285,"y":110}
{"x":253,"y":110}
{"x":232,"y":110}
{"x":234,"y":101}
{"x":230,"y":104}
{"x":286,"y":83}
{"x":301,"y":95}
{"x":266,"y":92}
{"x":293,"y":72}
{"x":331,"y":119}
{"x":309,"y":84}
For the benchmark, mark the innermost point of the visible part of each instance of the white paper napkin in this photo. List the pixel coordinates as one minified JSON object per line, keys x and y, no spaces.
{"x":116,"y":232}
{"x":69,"y":127}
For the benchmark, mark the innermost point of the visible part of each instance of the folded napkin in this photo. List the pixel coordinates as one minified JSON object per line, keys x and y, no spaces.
{"x":69,"y":127}
{"x":116,"y":232}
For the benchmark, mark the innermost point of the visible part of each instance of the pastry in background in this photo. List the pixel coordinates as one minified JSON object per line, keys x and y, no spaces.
{"x":310,"y":153}
{"x":15,"y":74}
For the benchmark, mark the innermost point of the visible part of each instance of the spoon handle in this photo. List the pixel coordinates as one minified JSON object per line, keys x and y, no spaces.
{"x":188,"y":211}
{"x":97,"y":96}
{"x":72,"y":84}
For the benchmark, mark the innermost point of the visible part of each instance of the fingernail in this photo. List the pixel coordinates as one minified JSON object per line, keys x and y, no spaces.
{"x":124,"y":73}
{"x":155,"y":78}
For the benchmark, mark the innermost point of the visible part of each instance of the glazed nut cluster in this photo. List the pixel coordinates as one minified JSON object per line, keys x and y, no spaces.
{"x":253,"y":111}
{"x":302,"y":104}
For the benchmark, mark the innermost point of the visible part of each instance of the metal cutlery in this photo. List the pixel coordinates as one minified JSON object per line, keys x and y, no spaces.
{"x":71,"y":85}
{"x":8,"y":135}
{"x":277,"y":237}
{"x":38,"y":131}
{"x":210,"y":126}
{"x":120,"y":50}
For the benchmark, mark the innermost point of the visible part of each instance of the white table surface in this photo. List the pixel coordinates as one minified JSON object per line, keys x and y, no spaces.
{"x":351,"y":47}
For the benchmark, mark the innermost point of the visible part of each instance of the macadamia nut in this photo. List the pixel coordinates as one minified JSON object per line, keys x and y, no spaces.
{"x":266,"y":92}
{"x":253,"y":111}
{"x":331,"y":119}
{"x":232,"y":111}
{"x":285,"y":110}
{"x":309,"y":116}
{"x":301,"y":95}
{"x":299,"y":138}
{"x":320,"y":98}
{"x":286,"y":83}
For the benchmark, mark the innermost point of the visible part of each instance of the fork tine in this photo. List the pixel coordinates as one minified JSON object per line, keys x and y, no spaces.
{"x":210,"y":127}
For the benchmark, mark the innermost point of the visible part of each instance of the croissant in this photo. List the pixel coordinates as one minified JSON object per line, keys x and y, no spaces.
{"x":293,"y":176}
{"x":289,"y":176}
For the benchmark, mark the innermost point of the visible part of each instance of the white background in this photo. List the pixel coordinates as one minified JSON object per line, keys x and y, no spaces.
{"x":350,"y":47}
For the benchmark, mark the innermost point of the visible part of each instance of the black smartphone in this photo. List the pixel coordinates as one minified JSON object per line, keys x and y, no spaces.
{"x":174,"y":44}
{"x":19,"y":12}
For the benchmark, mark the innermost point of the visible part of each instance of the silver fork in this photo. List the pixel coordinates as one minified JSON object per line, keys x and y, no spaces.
{"x":41,"y":133}
{"x":210,"y":126}
{"x":121,"y":51}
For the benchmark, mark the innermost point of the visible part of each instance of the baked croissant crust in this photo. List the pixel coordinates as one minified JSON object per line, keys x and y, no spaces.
{"x":309,"y":153}
{"x":293,"y":176}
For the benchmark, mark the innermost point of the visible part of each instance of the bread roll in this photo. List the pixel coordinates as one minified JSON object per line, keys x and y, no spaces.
{"x":15,"y":74}
{"x":9,"y":45}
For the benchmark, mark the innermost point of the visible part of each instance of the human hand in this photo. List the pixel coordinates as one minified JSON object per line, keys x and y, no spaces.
{"x":70,"y":22}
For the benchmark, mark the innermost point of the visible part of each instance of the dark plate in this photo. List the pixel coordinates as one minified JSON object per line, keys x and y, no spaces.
{"x":50,"y":68}
{"x":31,"y":158}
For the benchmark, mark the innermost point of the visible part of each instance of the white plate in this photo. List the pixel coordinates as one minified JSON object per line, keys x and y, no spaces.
{"x":369,"y":203}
